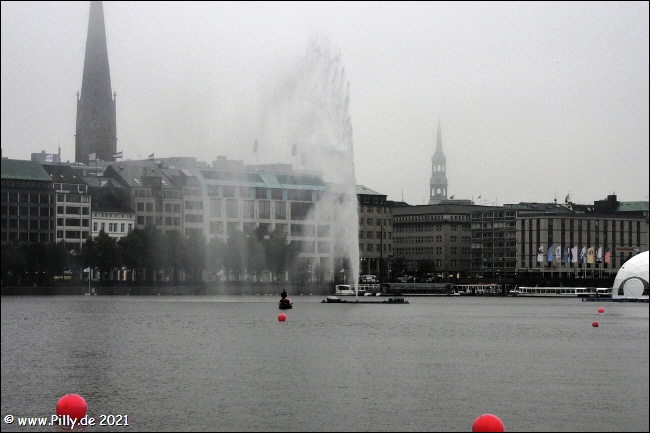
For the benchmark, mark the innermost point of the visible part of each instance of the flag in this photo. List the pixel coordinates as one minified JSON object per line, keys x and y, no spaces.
{"x":565,"y":258}
{"x":451,"y":198}
{"x":549,"y":255}
{"x":574,"y":255}
{"x":566,"y":199}
{"x":92,"y":157}
{"x":118,"y":154}
{"x":49,"y":158}
{"x":294,"y":150}
{"x":608,"y":255}
{"x":599,"y":254}
{"x":255,"y":147}
{"x":558,"y":254}
{"x":478,"y":196}
{"x":583,"y":252}
{"x":540,"y":254}
{"x":87,"y":270}
{"x":151,"y":157}
{"x":590,"y":255}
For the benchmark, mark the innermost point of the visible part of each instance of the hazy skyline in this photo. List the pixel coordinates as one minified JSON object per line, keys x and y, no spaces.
{"x":536,"y":100}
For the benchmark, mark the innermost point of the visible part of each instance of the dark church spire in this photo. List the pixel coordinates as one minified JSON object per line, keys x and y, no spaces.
{"x":96,"y":120}
{"x":438,"y":181}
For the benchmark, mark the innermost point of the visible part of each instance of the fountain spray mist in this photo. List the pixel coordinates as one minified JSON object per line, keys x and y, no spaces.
{"x":308,"y":117}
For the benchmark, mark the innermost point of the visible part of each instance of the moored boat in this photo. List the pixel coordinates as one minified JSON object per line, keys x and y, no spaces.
{"x":558,"y":292}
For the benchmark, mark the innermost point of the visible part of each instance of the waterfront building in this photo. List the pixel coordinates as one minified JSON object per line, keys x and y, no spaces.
{"x":438,"y":181}
{"x":433,"y":241}
{"x":231,"y":197}
{"x":111,"y":209}
{"x":589,"y":242}
{"x":27,"y":203}
{"x":73,"y":205}
{"x":375,"y":233}
{"x":96,"y":129}
{"x":155,"y":194}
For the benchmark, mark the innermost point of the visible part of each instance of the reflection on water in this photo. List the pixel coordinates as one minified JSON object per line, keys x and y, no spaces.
{"x":226,"y":363}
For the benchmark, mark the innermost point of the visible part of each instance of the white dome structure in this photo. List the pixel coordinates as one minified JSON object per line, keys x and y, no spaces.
{"x":632,"y":279}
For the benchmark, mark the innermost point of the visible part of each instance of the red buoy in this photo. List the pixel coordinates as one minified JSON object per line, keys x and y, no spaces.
{"x":595,"y":324}
{"x":282,"y":317}
{"x":488,"y":422}
{"x":72,"y":405}
{"x":601,"y":310}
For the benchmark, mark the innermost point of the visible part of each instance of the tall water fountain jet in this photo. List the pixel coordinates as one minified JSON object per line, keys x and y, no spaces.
{"x":308,"y":116}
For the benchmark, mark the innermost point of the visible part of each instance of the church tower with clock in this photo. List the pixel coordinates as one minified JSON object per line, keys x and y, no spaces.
{"x":96,"y":131}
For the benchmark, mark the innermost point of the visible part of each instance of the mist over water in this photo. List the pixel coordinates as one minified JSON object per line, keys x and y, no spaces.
{"x":307,"y":118}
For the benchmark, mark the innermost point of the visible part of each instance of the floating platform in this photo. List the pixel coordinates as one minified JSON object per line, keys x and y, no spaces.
{"x":616,"y":299}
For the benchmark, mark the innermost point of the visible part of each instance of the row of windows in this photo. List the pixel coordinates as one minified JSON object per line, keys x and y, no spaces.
{"x":112,"y":227}
{"x":165,"y":193}
{"x":24,"y":184}
{"x":15,"y":197}
{"x":427,"y":250}
{"x":370,"y":209}
{"x":71,"y":187}
{"x":429,"y":227}
{"x":375,"y":248}
{"x":27,"y":237}
{"x":488,"y":215}
{"x":72,"y":198}
{"x":112,"y":215}
{"x":31,"y":224}
{"x":72,"y":210}
{"x":169,"y":221}
{"x":416,"y":218}
{"x":371,"y":221}
{"x":427,"y":239}
{"x":73,"y":222}
{"x":71,"y":234}
{"x":32,"y":211}
{"x":149,"y":207}
{"x":369,"y":235}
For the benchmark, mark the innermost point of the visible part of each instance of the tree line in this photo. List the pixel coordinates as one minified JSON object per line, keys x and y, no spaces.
{"x":151,"y":254}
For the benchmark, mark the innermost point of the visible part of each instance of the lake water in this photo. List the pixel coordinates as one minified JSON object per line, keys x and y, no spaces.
{"x":226,"y":363}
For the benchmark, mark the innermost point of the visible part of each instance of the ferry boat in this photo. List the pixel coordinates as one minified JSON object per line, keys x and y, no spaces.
{"x":362,"y":289}
{"x":560,"y":292}
{"x":479,"y":289}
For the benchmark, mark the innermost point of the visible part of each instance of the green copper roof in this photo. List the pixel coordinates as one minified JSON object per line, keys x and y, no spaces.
{"x":24,"y":170}
{"x":632,"y":206}
{"x":366,"y":191}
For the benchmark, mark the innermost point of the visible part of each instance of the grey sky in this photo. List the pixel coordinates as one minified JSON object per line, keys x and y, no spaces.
{"x":536,"y":100}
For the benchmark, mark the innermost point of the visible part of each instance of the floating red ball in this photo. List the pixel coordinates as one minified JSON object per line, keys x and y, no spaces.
{"x":72,"y":405}
{"x":601,"y":310}
{"x":488,"y":422}
{"x":282,"y":317}
{"x":595,"y":324}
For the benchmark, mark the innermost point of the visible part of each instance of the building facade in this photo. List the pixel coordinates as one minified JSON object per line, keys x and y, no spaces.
{"x":375,"y":233}
{"x":28,"y":203}
{"x":73,"y":205}
{"x":433,"y":241}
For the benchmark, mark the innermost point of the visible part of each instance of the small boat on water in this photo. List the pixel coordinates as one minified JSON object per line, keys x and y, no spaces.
{"x":285,"y":304}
